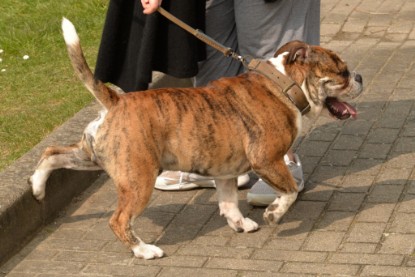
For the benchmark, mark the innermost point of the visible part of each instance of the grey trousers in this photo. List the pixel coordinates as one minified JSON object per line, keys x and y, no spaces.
{"x":255,"y":28}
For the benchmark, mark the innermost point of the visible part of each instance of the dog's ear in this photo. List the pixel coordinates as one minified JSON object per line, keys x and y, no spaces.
{"x":297,"y":51}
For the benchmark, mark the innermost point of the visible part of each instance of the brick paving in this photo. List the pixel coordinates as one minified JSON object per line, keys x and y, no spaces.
{"x":356,"y":216}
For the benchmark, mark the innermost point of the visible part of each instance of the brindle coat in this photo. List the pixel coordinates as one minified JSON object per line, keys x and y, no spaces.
{"x":223,"y":130}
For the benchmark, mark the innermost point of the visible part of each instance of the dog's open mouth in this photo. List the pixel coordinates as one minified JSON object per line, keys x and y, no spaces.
{"x":340,"y":110}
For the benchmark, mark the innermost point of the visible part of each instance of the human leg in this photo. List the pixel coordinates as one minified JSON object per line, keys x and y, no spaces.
{"x":261,"y":29}
{"x":220,"y":25}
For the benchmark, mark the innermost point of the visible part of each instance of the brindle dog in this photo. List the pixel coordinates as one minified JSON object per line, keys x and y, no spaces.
{"x":230,"y":127}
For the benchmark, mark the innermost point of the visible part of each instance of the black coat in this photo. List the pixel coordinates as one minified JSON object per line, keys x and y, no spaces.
{"x":133,"y":44}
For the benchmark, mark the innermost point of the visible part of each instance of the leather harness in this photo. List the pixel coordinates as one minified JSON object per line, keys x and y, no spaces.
{"x":290,"y":88}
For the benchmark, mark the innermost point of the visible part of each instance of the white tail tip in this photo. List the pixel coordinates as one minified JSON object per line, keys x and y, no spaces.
{"x":69,"y":32}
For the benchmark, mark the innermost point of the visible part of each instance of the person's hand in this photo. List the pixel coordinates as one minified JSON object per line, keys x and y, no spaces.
{"x":150,"y":6}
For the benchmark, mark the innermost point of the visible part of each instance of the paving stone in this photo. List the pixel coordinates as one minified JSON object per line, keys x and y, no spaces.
{"x":293,"y":230}
{"x":255,"y":240}
{"x":283,"y":244}
{"x":335,"y":221}
{"x":328,"y":175}
{"x":372,"y":270}
{"x":324,"y":241}
{"x":345,"y":201}
{"x":211,"y":240}
{"x":385,"y":193}
{"x":217,"y":251}
{"x":314,"y":148}
{"x":348,"y":142}
{"x":403,"y":223}
{"x":289,"y":256}
{"x":394,"y":176}
{"x":359,"y":127}
{"x":51,"y":267}
{"x":339,"y":157}
{"x":383,"y":135}
{"x":94,"y":257}
{"x":78,"y":245}
{"x":400,"y":161}
{"x":316,"y":192}
{"x":350,"y":247}
{"x":175,"y":261}
{"x":407,"y":205}
{"x":398,"y":244}
{"x":366,"y":232}
{"x":404,"y":145}
{"x":200,"y":272}
{"x":320,"y":268}
{"x":375,"y":213}
{"x":369,"y":167}
{"x":121,"y":270}
{"x":375,"y":151}
{"x":243,"y":264}
{"x":357,"y":183}
{"x":364,"y":259}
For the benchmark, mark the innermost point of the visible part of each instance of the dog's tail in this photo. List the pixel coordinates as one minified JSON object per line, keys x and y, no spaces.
{"x":105,"y":95}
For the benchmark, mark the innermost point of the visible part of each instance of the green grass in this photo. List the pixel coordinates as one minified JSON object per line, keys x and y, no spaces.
{"x":42,"y":92}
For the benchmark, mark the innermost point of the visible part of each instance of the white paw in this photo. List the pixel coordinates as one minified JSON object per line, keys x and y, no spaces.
{"x":249,"y":225}
{"x":272,"y":214}
{"x":38,"y":184}
{"x":279,"y":207}
{"x":245,"y":225}
{"x":147,"y":251}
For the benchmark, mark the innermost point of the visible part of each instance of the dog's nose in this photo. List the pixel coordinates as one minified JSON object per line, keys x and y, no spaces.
{"x":358,"y":78}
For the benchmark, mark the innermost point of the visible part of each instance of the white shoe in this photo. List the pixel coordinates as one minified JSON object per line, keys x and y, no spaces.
{"x":261,"y":194}
{"x":177,"y":180}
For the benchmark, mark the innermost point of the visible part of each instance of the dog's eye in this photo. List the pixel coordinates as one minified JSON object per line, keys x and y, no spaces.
{"x":345,"y":73}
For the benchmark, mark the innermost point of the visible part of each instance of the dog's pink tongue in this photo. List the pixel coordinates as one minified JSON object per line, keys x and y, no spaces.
{"x":341,"y":110}
{"x":352,"y":111}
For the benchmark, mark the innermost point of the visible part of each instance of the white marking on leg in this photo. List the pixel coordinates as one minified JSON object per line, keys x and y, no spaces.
{"x":279,"y":207}
{"x":147,"y":251}
{"x":228,"y":205}
{"x":38,"y":182}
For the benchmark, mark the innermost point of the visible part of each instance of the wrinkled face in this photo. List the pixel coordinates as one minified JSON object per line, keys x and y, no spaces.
{"x":324,"y":78}
{"x":337,"y":83}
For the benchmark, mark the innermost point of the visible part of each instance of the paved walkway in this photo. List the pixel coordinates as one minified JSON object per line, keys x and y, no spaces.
{"x":356,"y":217}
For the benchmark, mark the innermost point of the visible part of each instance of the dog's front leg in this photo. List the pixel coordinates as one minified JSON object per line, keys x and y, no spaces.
{"x":228,"y":204}
{"x":277,"y":175}
{"x":55,"y":157}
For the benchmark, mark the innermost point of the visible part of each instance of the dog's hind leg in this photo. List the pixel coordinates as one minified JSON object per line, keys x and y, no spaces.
{"x":228,"y":204}
{"x":55,"y":157}
{"x":134,"y":191}
{"x":278,"y":176}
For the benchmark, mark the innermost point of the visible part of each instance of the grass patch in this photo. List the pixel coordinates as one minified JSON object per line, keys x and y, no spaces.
{"x":42,"y":92}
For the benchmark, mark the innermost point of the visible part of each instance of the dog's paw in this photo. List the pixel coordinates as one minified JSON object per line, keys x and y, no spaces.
{"x":38,"y":187}
{"x":249,"y":225}
{"x":245,"y":225}
{"x":147,"y":251}
{"x":272,"y":214}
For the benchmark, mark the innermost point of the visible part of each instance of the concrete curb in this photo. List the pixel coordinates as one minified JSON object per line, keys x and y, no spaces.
{"x":21,"y":216}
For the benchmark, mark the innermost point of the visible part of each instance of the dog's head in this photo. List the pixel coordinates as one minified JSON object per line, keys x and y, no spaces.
{"x":322,"y":75}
